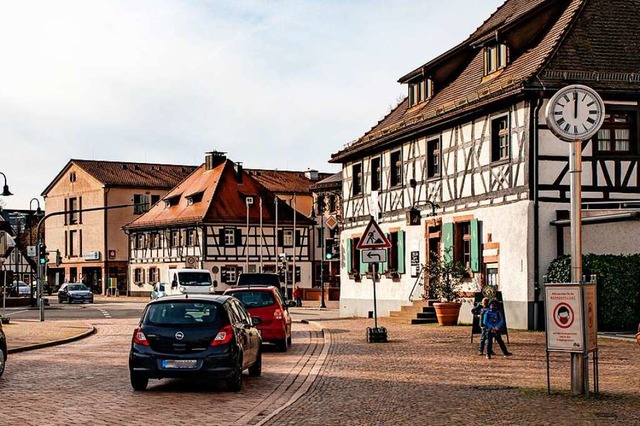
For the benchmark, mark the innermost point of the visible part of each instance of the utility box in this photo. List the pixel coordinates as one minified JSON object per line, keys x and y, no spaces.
{"x":376,"y":334}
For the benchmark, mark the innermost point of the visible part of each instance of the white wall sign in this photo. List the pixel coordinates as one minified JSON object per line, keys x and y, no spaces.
{"x":565,"y":322}
{"x":92,"y":255}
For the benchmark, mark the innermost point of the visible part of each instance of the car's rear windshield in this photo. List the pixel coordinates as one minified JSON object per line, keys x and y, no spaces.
{"x":259,"y":279}
{"x":77,"y":287}
{"x":195,"y":278}
{"x":254,"y":299}
{"x":183,"y":313}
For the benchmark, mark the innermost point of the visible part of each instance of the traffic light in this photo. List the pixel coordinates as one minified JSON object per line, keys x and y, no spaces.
{"x":328,"y":248}
{"x":42,"y":254}
{"x":58,"y":258}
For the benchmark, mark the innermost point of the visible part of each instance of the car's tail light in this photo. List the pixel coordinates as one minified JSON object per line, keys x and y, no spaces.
{"x":277,"y":314}
{"x":139,"y":338}
{"x":223,"y":337}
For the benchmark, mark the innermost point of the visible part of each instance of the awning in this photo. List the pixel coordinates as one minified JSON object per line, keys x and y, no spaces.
{"x":605,"y":218}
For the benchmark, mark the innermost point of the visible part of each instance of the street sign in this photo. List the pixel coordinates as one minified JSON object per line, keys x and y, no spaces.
{"x":31,"y":251}
{"x":373,"y":237}
{"x":373,"y":256}
{"x":564,"y":318}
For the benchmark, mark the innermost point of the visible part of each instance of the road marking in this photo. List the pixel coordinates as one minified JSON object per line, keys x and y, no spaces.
{"x":105,"y":313}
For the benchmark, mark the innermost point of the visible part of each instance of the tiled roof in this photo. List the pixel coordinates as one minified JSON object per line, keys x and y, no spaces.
{"x":284,"y":181}
{"x":333,"y":181}
{"x":468,"y":90}
{"x":223,"y":201}
{"x":129,"y":174}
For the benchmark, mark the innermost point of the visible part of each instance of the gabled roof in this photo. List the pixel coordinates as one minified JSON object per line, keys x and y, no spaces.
{"x":332,"y":182}
{"x":532,"y":28}
{"x":128,"y":174}
{"x":223,"y":201}
{"x":284,"y":181}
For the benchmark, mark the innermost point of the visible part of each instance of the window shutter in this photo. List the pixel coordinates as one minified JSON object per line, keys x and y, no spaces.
{"x":221,"y":237}
{"x":475,"y":245}
{"x":401,"y":258}
{"x":381,"y":267}
{"x":280,"y":237}
{"x":80,"y":208}
{"x":238,"y":237}
{"x":348,"y":255}
{"x":447,"y":240}
{"x":364,"y":267}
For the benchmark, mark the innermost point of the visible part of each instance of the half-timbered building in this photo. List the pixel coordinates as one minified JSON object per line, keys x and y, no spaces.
{"x":466,"y":165}
{"x":222,"y":219}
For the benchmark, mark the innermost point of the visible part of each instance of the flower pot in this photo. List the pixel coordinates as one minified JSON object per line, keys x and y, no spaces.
{"x":447,"y":312}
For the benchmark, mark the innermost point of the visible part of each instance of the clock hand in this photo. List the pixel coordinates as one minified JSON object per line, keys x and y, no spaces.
{"x":575,"y":104}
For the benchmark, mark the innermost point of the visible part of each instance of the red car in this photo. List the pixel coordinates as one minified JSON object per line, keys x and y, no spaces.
{"x":266,"y":303}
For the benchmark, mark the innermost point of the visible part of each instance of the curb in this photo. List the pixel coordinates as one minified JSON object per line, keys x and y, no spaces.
{"x":87,"y":333}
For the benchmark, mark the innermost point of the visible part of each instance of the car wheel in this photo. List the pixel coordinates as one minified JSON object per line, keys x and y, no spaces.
{"x":289,"y":341}
{"x":3,"y":360}
{"x":139,"y":382}
{"x":234,"y":383}
{"x":256,"y":369}
{"x":282,"y":345}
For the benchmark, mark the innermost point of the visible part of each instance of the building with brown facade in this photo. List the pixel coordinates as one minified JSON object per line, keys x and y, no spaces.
{"x":92,"y":201}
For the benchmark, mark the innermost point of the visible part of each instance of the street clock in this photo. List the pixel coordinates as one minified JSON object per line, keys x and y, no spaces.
{"x":575,"y":113}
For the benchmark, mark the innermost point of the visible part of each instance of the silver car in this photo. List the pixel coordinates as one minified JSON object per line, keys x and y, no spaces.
{"x":74,"y":292}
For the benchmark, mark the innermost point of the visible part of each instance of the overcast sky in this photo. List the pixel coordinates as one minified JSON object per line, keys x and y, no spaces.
{"x":275,"y":84}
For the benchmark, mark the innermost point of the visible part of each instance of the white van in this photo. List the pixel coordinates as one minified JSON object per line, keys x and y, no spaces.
{"x":195,"y":281}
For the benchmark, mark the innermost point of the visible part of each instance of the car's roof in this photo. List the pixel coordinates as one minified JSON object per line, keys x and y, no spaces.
{"x":251,"y":287}
{"x":193,"y":297}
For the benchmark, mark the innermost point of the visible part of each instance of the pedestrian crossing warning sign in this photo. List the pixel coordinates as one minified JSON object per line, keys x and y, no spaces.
{"x":373,"y":237}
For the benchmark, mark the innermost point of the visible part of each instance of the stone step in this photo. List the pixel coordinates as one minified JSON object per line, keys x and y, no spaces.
{"x":418,"y":321}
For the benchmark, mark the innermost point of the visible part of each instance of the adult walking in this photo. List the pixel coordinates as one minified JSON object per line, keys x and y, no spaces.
{"x":494,"y":320}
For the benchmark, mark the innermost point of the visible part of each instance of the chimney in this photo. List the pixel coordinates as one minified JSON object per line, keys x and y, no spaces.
{"x":238,"y":168}
{"x":311,"y":174}
{"x":213,"y":159}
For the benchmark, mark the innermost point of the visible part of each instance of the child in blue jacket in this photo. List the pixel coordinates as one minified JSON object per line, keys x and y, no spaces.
{"x":478,"y":311}
{"x":493,"y":321}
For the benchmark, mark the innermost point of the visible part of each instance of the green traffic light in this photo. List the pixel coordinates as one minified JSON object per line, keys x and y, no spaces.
{"x":328,"y":256}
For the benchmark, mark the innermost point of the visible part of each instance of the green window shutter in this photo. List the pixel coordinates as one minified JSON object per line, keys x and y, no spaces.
{"x":475,"y":245}
{"x":401,"y":258}
{"x":348,"y":255}
{"x":364,"y":267}
{"x":447,"y":240}
{"x":381,"y":267}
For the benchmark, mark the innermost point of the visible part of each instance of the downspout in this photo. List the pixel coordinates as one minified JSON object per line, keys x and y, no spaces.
{"x":105,"y":275}
{"x":536,"y":214}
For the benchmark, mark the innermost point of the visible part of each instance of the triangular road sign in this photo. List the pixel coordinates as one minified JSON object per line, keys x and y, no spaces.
{"x":373,"y":237}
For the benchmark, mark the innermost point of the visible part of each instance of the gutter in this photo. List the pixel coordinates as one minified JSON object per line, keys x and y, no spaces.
{"x":536,"y":210}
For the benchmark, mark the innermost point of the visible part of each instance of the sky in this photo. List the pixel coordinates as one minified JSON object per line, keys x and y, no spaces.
{"x":276,"y":84}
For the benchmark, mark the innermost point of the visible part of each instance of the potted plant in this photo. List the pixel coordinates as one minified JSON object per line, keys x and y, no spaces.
{"x":445,"y":280}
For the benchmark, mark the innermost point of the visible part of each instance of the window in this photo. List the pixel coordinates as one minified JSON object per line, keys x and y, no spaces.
{"x":72,"y":177}
{"x":375,"y":174}
{"x":74,"y":246}
{"x":191,"y":237}
{"x":462,"y":243}
{"x":138,"y":275}
{"x":420,"y":91}
{"x":153,"y":275}
{"x":153,"y":240}
{"x":229,"y":237}
{"x":617,"y":134}
{"x":287,"y":238}
{"x":396,"y":168}
{"x":354,"y":257}
{"x":139,"y":241}
{"x":229,"y":274}
{"x":395,"y":254}
{"x":155,"y":199}
{"x":500,"y":138}
{"x":332,"y":203}
{"x":433,"y":158}
{"x":357,"y":179}
{"x":174,"y":239}
{"x":194,"y":198}
{"x":141,"y":203}
{"x":495,"y":58}
{"x":73,"y":211}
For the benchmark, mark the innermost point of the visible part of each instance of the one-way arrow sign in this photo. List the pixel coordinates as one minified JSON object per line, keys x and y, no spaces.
{"x":373,"y":237}
{"x":374,"y":256}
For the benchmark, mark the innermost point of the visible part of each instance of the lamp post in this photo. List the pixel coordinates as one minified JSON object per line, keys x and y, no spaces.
{"x":5,"y":188}
{"x":32,"y":302}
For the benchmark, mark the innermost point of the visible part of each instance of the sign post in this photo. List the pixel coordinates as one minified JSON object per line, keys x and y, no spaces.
{"x":372,"y":247}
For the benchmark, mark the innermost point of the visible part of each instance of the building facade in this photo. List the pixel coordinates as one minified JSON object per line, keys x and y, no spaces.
{"x":91,"y":201}
{"x":466,"y":164}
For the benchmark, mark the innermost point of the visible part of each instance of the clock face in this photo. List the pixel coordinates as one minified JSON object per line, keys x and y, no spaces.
{"x":575,"y":113}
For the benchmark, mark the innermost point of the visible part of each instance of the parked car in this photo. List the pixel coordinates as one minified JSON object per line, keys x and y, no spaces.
{"x":259,"y":279}
{"x":20,"y":289}
{"x":195,"y":336}
{"x":3,"y":350}
{"x":159,"y":290}
{"x":267,"y":304}
{"x":74,"y":292}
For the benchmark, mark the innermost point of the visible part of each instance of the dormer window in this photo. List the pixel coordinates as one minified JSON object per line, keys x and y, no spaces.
{"x":171,"y":201}
{"x":420,"y":91}
{"x":495,"y":58}
{"x":194,"y":198}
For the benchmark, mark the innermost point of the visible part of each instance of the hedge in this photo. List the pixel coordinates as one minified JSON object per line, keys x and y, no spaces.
{"x":618,"y":287}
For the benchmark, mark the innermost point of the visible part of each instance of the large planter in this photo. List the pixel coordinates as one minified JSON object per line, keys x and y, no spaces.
{"x":447,"y":312}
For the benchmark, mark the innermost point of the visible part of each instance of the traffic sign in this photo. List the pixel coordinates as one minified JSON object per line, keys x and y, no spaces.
{"x":373,"y":237}
{"x":373,"y":256}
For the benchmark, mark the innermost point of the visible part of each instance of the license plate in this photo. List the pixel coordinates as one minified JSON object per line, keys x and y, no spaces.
{"x":179,"y":363}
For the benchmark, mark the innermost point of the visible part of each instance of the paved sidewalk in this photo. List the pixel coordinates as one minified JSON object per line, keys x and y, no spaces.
{"x":23,"y":335}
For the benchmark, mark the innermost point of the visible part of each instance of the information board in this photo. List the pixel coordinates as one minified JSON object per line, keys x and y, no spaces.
{"x":565,"y":322}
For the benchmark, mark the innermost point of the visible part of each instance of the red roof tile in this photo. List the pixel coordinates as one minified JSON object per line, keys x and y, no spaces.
{"x":284,"y":181}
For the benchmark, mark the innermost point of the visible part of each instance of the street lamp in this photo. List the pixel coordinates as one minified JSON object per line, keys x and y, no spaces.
{"x":38,"y":209}
{"x":5,"y":188}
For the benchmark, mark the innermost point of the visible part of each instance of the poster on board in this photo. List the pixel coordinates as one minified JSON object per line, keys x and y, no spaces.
{"x":565,"y":322}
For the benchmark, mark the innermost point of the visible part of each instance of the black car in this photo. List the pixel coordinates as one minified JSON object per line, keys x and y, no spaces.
{"x":195,"y":336}
{"x":74,"y":292}
{"x":3,"y":350}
